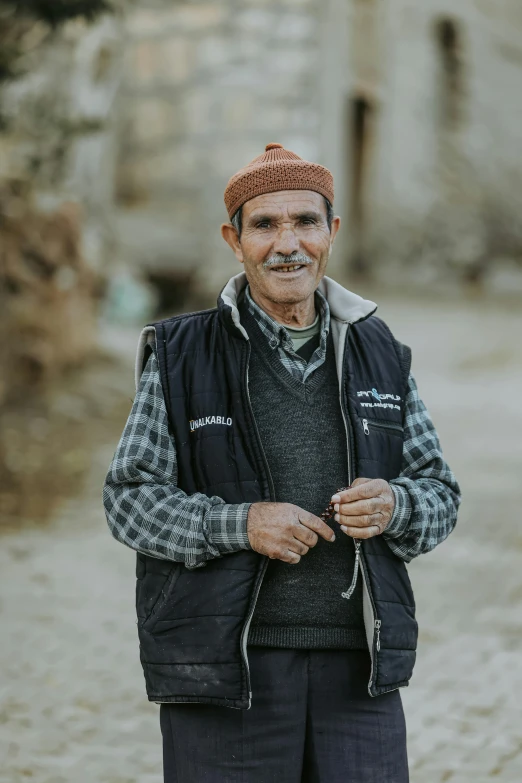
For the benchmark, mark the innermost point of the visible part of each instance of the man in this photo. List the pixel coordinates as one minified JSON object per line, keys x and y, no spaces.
{"x":275,"y":635}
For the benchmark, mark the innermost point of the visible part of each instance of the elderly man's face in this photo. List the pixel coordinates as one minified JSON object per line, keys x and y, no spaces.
{"x":285,"y":244}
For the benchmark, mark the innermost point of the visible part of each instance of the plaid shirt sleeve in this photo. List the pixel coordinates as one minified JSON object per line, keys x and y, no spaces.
{"x":146,"y":510}
{"x":427,"y":495}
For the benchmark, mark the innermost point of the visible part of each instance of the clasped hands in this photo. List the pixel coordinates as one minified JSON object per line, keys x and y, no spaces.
{"x":286,"y":532}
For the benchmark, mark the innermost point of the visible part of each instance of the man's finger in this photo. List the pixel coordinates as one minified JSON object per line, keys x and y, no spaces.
{"x":305,"y":535}
{"x":365,"y":520}
{"x":367,"y":488}
{"x":317,"y":525}
{"x":298,"y":547}
{"x":360,"y":507}
{"x":361,"y":532}
{"x":288,"y":556}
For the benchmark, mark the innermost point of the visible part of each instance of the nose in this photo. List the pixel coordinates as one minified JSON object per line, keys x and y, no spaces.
{"x":286,"y":241}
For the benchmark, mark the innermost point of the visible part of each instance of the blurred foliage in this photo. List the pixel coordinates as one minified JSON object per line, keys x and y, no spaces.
{"x":47,"y":311}
{"x":55,"y":12}
{"x":48,"y":293}
{"x":18,"y":19}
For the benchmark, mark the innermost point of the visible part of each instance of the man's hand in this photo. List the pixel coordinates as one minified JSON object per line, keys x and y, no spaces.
{"x":364,"y":510}
{"x":284,"y":531}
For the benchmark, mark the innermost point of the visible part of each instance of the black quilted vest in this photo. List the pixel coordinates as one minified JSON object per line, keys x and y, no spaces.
{"x":193,"y":624}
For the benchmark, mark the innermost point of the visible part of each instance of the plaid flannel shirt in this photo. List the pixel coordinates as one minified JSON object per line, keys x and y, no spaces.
{"x":148,"y":512}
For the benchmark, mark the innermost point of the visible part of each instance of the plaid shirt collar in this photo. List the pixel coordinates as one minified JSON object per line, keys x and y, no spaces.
{"x":279,"y":339}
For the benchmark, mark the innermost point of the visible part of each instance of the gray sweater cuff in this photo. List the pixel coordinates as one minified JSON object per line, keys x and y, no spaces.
{"x":227,"y":526}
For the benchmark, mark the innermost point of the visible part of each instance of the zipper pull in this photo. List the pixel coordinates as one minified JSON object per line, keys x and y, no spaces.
{"x":378,"y":629}
{"x":365,"y":426}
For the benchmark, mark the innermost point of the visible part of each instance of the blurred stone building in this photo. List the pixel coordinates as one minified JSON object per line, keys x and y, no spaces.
{"x":416,"y":107}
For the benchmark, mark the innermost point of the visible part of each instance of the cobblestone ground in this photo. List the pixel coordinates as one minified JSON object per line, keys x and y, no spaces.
{"x":72,"y":704}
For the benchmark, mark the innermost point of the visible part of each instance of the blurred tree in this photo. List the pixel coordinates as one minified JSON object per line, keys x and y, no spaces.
{"x":59,"y":73}
{"x":17,"y":17}
{"x":44,"y":277}
{"x":55,"y":12}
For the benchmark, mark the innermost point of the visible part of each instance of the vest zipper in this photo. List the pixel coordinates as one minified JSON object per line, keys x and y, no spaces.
{"x":388,"y":425}
{"x":371,"y":622}
{"x":257,"y":588}
{"x":349,"y":439}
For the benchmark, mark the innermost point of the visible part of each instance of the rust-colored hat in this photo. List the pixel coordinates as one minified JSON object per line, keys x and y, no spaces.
{"x":276,"y":169}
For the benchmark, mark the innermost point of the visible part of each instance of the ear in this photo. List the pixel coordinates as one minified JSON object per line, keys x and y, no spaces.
{"x":336,"y":225}
{"x":229,"y":234}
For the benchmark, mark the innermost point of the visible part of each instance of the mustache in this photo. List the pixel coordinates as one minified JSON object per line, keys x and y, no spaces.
{"x":294,"y":258}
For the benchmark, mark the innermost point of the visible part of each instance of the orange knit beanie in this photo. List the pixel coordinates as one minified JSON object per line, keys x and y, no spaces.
{"x":276,"y":169}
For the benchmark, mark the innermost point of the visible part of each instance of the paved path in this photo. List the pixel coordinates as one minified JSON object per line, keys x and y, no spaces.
{"x":72,"y":706}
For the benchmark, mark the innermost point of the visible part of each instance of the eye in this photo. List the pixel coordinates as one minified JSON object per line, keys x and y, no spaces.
{"x":307,"y":221}
{"x":263,"y":224}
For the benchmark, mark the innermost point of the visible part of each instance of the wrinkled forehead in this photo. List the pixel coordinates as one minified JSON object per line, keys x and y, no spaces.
{"x":284,"y":203}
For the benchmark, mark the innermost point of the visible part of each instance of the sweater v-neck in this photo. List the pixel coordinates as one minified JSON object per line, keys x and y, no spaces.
{"x":305,"y":390}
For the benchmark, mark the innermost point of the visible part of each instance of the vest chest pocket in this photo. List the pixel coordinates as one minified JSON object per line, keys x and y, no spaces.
{"x":379,"y":448}
{"x":382,"y":425}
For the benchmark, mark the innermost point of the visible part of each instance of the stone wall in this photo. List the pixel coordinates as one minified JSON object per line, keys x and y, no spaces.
{"x":440,"y":176}
{"x":415,"y":108}
{"x":207,"y":85}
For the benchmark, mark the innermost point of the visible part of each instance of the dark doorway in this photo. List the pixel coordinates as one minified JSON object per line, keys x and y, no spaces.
{"x":360,"y":121}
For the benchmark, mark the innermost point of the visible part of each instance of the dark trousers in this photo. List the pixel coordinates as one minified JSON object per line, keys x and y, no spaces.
{"x":311,"y":721}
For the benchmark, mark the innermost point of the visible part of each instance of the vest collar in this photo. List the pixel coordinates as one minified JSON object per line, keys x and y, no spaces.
{"x":345,"y":306}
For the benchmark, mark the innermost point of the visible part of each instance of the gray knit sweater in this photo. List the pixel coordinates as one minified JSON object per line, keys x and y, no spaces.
{"x":304,"y":439}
